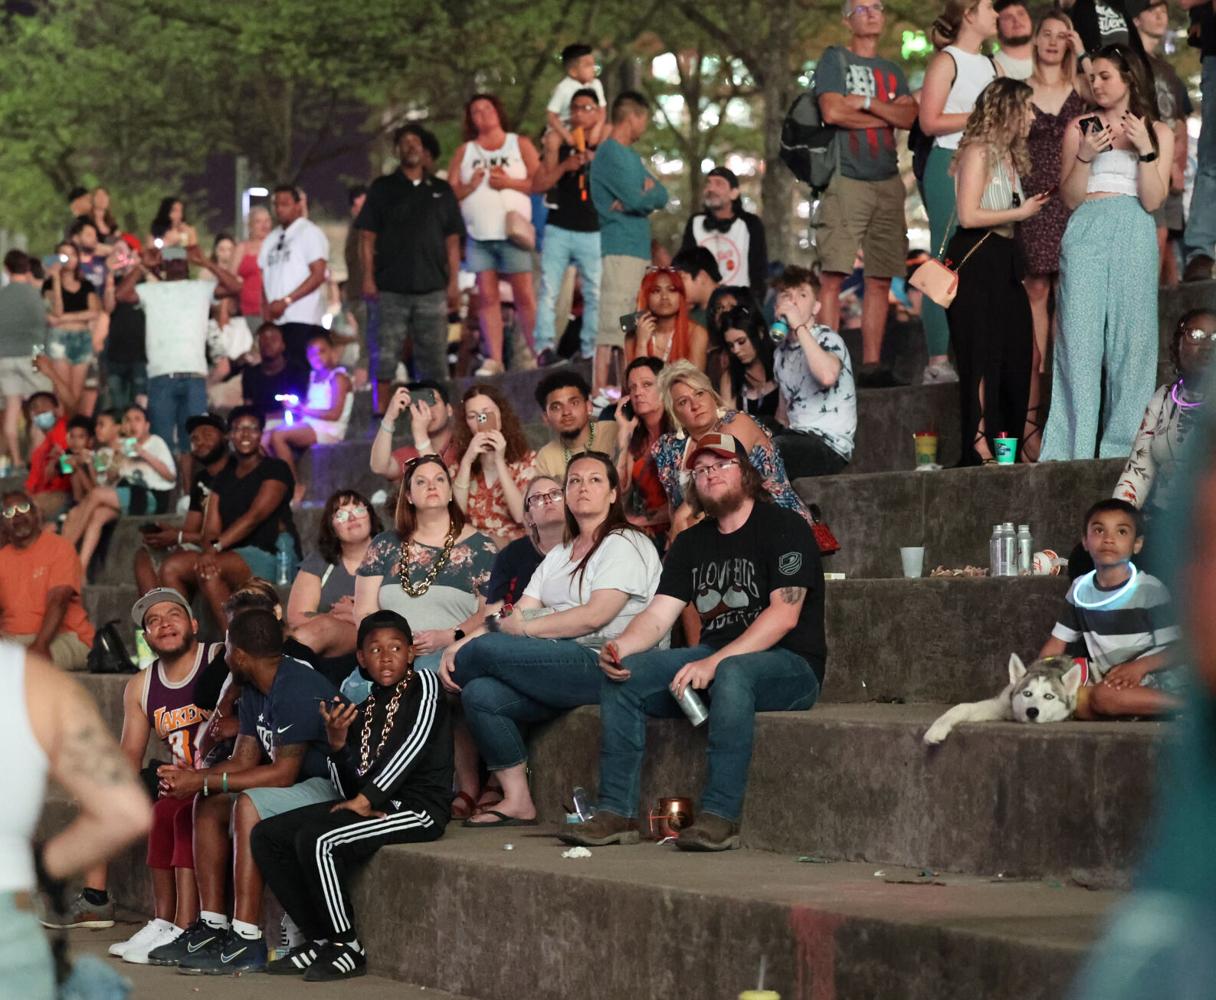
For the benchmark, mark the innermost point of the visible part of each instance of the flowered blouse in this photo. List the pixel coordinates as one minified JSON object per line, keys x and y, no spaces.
{"x":487,"y":509}
{"x":669,"y":451}
{"x":451,"y":597}
{"x":1155,"y":464}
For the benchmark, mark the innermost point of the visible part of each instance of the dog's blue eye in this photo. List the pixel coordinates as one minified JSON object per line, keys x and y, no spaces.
{"x":1026,"y":693}
{"x":1049,"y":697}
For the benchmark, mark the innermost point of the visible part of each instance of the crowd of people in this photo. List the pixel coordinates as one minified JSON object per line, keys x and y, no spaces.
{"x":657,"y":542}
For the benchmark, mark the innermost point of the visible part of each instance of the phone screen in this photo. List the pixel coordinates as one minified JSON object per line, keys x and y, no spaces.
{"x":1090,"y":123}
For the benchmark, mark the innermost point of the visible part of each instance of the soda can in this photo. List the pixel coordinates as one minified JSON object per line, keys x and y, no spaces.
{"x":692,"y":706}
{"x":779,"y":330}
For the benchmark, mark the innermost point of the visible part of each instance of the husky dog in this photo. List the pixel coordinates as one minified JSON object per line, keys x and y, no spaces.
{"x":1047,"y":692}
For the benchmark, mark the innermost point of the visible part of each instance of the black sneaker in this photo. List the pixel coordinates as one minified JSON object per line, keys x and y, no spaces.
{"x":549,"y":357}
{"x":337,"y":961}
{"x":295,"y":962}
{"x":229,"y":955}
{"x":189,"y":943}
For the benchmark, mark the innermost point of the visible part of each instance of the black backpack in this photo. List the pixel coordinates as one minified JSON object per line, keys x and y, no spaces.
{"x":109,"y":655}
{"x":808,"y":145}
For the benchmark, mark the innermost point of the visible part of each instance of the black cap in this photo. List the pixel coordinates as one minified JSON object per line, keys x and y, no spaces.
{"x":77,"y":192}
{"x":205,"y":420}
{"x":383,"y":618}
{"x":727,"y":175}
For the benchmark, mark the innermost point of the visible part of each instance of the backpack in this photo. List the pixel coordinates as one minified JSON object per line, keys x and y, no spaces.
{"x":808,"y":145}
{"x":109,"y":655}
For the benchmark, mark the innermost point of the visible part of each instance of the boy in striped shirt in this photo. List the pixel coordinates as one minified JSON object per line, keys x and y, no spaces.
{"x":1122,"y":621}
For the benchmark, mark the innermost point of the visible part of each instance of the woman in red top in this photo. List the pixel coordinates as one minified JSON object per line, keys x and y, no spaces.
{"x":664,"y":330}
{"x":246,"y":255}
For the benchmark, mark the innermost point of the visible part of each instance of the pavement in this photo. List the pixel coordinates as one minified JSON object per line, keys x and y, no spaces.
{"x":159,"y":983}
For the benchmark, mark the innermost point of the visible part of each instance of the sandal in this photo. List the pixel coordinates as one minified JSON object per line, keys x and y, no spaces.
{"x":1036,"y":430}
{"x":470,"y":805}
{"x":982,"y":438}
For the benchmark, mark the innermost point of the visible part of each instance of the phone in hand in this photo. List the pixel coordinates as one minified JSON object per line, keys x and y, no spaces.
{"x":627,"y":409}
{"x":629,"y":323}
{"x":1090,"y":123}
{"x":487,"y":421}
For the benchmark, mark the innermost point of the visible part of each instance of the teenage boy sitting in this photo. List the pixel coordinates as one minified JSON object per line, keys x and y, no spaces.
{"x":1122,"y":620}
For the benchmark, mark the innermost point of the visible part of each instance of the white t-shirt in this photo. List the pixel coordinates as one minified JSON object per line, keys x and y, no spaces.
{"x":829,"y":411}
{"x":564,"y":93}
{"x":626,"y":561}
{"x":284,"y":259}
{"x":1015,"y":69}
{"x":136,"y":470}
{"x":175,"y":323}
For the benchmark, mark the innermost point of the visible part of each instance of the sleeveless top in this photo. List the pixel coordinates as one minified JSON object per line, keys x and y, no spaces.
{"x":972,"y":73}
{"x":485,"y":210}
{"x":171,"y":709}
{"x":23,"y":787}
{"x":251,"y":291}
{"x":321,"y":392}
{"x":1114,"y":171}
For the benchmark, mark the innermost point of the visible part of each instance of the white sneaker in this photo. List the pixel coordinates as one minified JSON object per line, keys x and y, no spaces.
{"x":489,"y":367}
{"x":939,"y":373}
{"x":138,"y":954}
{"x":146,"y":933}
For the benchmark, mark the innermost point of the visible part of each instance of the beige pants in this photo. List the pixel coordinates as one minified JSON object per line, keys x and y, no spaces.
{"x":619,"y":283}
{"x":67,"y":651}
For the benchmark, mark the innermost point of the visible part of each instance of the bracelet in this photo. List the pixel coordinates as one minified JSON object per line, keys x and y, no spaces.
{"x":386,"y":427}
{"x":224,"y":782}
{"x":868,"y":102}
{"x":1079,"y":157}
{"x":179,"y":537}
{"x":419,"y":446}
{"x":206,"y":790}
{"x":1147,"y":157}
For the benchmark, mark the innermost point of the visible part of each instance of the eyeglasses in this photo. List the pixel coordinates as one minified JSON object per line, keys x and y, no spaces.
{"x":866,"y":8}
{"x":1197,"y":336}
{"x":536,"y":499}
{"x":350,"y":513}
{"x":702,"y":471}
{"x":18,"y":508}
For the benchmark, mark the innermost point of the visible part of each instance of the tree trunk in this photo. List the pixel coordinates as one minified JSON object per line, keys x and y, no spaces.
{"x":777,"y":83}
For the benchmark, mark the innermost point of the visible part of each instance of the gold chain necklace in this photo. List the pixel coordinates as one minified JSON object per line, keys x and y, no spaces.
{"x":403,"y":567}
{"x":590,"y":445}
{"x":365,"y":757}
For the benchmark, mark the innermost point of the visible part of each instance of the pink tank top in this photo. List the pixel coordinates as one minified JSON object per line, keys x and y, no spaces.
{"x":251,"y":291}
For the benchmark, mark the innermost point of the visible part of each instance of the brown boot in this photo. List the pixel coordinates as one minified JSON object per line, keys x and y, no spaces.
{"x":1198,"y":268}
{"x":602,"y":829}
{"x":709,"y":833}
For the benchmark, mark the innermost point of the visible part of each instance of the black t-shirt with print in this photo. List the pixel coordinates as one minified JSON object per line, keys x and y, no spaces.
{"x":569,"y":200}
{"x":236,"y":495}
{"x":728,"y":578}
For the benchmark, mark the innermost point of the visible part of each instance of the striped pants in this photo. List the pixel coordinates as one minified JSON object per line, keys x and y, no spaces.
{"x":1108,"y":328}
{"x":306,"y":855}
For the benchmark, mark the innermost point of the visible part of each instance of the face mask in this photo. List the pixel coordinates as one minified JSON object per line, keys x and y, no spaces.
{"x":45,"y":421}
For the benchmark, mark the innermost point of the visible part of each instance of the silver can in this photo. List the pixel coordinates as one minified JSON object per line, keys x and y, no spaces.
{"x":692,"y":705}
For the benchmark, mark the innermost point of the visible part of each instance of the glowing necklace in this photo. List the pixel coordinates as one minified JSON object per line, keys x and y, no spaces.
{"x":1091,"y":577}
{"x":1176,"y":396}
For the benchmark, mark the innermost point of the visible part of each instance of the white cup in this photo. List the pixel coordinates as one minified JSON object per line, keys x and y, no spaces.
{"x":913,"y":558}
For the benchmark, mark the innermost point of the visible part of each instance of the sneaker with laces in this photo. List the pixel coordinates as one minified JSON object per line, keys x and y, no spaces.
{"x":228,"y":955}
{"x":137,"y":954}
{"x":489,"y":367}
{"x":148,"y":932}
{"x":296,"y":962}
{"x":337,"y":961}
{"x":194,"y":939}
{"x":939,"y":373}
{"x":82,"y":913}
{"x":709,"y":833}
{"x":602,"y":829}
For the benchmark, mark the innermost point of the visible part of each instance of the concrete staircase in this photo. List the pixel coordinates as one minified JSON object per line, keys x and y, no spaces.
{"x":872,"y":866}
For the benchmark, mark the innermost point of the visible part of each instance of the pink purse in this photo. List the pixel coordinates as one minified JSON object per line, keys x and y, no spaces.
{"x":936,"y":279}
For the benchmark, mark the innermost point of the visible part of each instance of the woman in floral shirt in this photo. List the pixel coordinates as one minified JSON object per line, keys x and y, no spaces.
{"x":697,"y":409}
{"x":497,"y":464}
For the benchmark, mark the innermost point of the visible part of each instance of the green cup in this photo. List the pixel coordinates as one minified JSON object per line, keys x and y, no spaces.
{"x":1006,"y":450}
{"x":926,"y":447}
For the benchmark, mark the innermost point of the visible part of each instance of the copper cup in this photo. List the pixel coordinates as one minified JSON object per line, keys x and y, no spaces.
{"x":671,"y":816}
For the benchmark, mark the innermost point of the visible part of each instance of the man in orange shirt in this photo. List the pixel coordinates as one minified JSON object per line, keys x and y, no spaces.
{"x":40,"y":587}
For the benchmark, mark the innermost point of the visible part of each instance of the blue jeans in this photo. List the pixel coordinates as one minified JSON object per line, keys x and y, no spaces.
{"x":421,"y":319}
{"x":773,"y":681}
{"x":124,"y":381}
{"x":1200,"y":236}
{"x":562,"y":248}
{"x":171,"y":402}
{"x":509,"y":679}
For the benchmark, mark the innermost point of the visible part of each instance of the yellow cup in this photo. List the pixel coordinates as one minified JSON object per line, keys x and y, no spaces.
{"x":926,"y":447}
{"x":759,"y":995}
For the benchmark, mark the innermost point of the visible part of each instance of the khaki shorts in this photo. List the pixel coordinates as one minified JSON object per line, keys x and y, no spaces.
{"x":619,"y":283}
{"x":67,"y":651}
{"x":868,"y":215}
{"x":18,"y":378}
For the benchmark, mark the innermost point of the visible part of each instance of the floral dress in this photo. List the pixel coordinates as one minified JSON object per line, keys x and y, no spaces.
{"x":487,"y":509}
{"x":1040,"y":236}
{"x":670,"y":449}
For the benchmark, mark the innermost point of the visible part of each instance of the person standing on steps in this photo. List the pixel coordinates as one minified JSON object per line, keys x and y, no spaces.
{"x":867,"y":98}
{"x":752,"y":572}
{"x":1199,"y":241}
{"x":954,"y":79}
{"x":293,"y":259}
{"x":410,"y":230}
{"x":1014,"y":31}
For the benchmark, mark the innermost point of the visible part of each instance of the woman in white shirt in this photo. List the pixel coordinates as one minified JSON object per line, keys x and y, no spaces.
{"x":544,"y":658}
{"x":146,"y":477}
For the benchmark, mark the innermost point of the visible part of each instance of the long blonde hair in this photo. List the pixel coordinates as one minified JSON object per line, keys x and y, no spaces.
{"x":1068,"y":68}
{"x":996,"y":123}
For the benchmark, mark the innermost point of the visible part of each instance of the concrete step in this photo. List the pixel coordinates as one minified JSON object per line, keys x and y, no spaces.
{"x":951,"y":512}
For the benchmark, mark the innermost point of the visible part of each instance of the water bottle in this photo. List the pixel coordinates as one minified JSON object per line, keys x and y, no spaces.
{"x":143,"y":652}
{"x":283,"y":553}
{"x":1009,"y":550}
{"x":1025,"y":550}
{"x":584,"y":809}
{"x":994,"y":551}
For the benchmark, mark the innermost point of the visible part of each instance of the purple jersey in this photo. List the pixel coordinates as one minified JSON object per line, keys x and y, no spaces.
{"x":171,"y":709}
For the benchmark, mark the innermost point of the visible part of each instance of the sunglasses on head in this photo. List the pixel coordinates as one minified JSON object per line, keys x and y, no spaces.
{"x":17,"y":508}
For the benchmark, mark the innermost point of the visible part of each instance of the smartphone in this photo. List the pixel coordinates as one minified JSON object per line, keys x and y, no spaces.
{"x":1090,"y":123}
{"x":627,"y":409}
{"x":51,"y":259}
{"x":629,"y":323}
{"x":128,"y":447}
{"x":65,"y":464}
{"x":425,"y":394}
{"x":487,"y":421}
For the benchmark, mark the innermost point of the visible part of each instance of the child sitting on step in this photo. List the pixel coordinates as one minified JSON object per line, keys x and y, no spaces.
{"x":1122,"y":621}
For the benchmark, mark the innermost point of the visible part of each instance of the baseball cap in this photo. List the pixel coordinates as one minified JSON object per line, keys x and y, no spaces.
{"x":383,"y":618}
{"x":726,"y":174}
{"x":726,"y":445}
{"x":1135,"y":8}
{"x":157,"y":595}
{"x":206,"y":420}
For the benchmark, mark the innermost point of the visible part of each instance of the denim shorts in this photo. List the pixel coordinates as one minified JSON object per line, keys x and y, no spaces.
{"x":74,"y":346}
{"x":502,"y":256}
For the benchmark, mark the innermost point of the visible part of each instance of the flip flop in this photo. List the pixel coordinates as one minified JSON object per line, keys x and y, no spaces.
{"x":503,"y":820}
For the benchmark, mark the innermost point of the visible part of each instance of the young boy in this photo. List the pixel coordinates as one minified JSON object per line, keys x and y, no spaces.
{"x":578,"y":61}
{"x":1122,"y":620}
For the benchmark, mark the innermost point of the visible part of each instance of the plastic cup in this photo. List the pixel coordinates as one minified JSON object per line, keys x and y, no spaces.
{"x":1006,"y":450}
{"x":925,"y":443}
{"x":913,"y":558}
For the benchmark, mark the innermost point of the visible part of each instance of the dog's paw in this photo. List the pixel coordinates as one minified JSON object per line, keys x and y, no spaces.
{"x":936,"y":733}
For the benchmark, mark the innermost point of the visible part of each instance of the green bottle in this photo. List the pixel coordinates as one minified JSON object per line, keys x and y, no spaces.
{"x":143,"y":651}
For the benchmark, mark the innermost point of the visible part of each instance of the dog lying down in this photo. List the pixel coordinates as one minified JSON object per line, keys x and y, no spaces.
{"x":1047,"y":692}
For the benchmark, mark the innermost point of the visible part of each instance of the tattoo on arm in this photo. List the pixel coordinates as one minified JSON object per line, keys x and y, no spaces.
{"x":791,"y":595}
{"x":246,"y":752}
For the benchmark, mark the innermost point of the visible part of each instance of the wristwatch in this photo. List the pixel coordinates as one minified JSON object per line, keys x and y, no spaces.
{"x":1148,"y":157}
{"x":458,"y":634}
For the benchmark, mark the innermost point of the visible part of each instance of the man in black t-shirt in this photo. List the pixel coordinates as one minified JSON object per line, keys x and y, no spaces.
{"x":572,"y":231}
{"x":752,"y":571}
{"x":409,"y":245}
{"x":275,"y":375}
